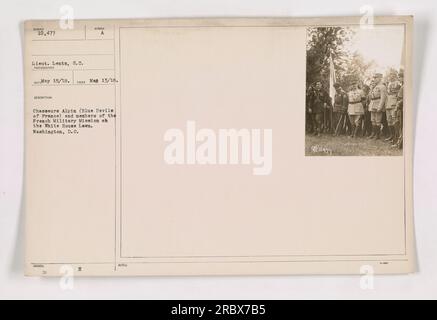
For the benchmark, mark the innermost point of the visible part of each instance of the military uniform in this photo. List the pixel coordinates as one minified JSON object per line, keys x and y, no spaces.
{"x":317,"y":101}
{"x":367,"y":125}
{"x":355,"y":108}
{"x":378,"y":97}
{"x":399,"y":118}
{"x":391,"y":107}
{"x":339,"y":108}
{"x":368,"y":101}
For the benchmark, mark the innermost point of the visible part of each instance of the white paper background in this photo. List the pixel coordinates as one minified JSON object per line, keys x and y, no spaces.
{"x":14,"y":285}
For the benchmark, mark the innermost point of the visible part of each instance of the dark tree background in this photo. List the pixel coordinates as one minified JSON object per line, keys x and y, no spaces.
{"x":349,"y":66}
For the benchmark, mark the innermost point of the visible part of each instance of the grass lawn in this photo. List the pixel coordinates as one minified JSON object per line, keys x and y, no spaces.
{"x":328,"y":145}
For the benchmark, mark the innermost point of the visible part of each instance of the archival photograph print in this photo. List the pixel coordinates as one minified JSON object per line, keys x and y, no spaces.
{"x":354,"y":90}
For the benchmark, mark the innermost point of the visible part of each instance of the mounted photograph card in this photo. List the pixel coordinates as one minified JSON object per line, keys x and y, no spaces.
{"x":240,"y":146}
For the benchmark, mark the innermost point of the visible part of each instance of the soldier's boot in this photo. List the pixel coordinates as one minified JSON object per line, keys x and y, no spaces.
{"x":352,"y":131}
{"x":395,"y":133}
{"x":355,"y":135}
{"x":400,"y":143}
{"x":365,"y":131}
{"x":378,"y":132}
{"x":393,"y":128}
{"x":369,"y":131}
{"x":390,"y":134}
{"x":396,"y":137}
{"x":372,"y":133}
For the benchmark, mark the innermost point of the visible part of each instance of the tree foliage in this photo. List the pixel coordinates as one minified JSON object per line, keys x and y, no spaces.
{"x":325,"y":41}
{"x":354,"y":68}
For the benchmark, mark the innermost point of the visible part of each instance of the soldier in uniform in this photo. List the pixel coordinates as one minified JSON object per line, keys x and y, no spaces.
{"x":399,"y":113}
{"x":318,"y":98}
{"x":339,"y":108}
{"x":355,"y":108}
{"x":378,"y":97}
{"x":309,"y":121}
{"x":367,"y":124}
{"x":393,"y":88}
{"x":368,"y":101}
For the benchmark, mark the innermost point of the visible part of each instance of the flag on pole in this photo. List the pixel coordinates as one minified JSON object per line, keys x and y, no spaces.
{"x":331,"y":78}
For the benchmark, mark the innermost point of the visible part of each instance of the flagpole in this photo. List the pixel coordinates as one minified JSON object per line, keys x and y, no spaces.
{"x":331,"y":86}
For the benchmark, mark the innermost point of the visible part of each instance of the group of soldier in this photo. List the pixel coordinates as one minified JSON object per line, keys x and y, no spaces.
{"x":373,"y":111}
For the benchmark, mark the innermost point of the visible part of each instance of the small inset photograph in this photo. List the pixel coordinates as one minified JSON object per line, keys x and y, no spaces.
{"x":354,"y":91}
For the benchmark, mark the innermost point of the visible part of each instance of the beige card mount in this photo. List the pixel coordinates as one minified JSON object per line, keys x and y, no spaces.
{"x":218,"y":146}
